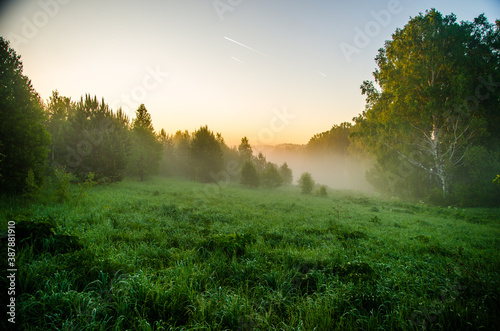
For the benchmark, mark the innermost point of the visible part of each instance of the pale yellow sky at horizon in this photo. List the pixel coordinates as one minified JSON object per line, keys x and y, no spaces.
{"x":236,"y":66}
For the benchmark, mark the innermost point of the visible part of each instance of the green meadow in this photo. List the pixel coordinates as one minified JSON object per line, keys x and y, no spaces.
{"x":170,"y":254}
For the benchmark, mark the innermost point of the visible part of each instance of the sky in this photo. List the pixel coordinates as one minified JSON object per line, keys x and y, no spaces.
{"x":275,"y":71}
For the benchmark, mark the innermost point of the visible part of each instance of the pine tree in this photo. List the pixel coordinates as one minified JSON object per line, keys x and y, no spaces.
{"x":206,"y":155}
{"x":245,"y":150}
{"x":146,"y":149}
{"x":24,"y":139}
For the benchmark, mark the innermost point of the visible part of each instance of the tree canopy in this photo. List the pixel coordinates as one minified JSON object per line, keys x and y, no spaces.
{"x":24,"y":139}
{"x":206,"y":155}
{"x":336,"y":140}
{"x":431,"y":101}
{"x":146,"y":147}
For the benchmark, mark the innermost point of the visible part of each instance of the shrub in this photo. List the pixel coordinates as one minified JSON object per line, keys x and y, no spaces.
{"x":306,"y":183}
{"x":31,"y":189}
{"x":85,"y":187}
{"x":62,"y":184}
{"x":322,"y":191}
{"x":473,"y":186}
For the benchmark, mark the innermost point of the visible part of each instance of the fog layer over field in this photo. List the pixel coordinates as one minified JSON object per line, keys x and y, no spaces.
{"x":335,"y":171}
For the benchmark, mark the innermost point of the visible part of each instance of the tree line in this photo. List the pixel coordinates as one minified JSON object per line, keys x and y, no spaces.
{"x":430,"y":125}
{"x":41,"y":140}
{"x":431,"y":118}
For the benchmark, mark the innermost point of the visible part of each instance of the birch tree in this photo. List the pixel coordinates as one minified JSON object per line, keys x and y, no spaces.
{"x":426,"y":106}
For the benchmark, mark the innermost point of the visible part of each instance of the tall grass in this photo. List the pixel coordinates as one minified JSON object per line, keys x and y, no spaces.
{"x":170,"y":254}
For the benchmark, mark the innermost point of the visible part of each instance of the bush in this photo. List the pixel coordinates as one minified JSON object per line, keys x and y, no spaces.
{"x":322,"y":191}
{"x":62,"y":184}
{"x":306,"y":183}
{"x":31,"y":189}
{"x":85,"y":187}
{"x":473,"y":187}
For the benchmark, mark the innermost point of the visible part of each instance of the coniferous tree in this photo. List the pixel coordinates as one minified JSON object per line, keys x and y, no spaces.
{"x":167,"y":160}
{"x":24,"y":139}
{"x":58,"y":109}
{"x":245,"y":150}
{"x":145,"y":155}
{"x":271,"y":177}
{"x":286,"y":174}
{"x":260,"y":162}
{"x":249,"y":175}
{"x":206,"y":155}
{"x":181,"y":153}
{"x":95,"y":140}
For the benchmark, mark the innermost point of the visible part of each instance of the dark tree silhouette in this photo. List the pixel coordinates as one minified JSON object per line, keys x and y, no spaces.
{"x":146,"y":148}
{"x":24,"y":139}
{"x":206,"y":155}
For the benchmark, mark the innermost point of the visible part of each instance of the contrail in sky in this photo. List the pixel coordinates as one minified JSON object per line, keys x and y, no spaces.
{"x":256,"y":51}
{"x":250,"y":48}
{"x":232,"y":57}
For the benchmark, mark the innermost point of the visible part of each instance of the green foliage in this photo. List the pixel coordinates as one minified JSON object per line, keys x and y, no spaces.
{"x":24,"y":140}
{"x":146,"y":149}
{"x":41,"y":237}
{"x":306,"y":183}
{"x":61,"y":185}
{"x":428,"y":112}
{"x":322,"y":191}
{"x":271,"y":177}
{"x":88,"y":137}
{"x":249,"y":175}
{"x":85,"y":187}
{"x":286,"y":174}
{"x":206,"y":155}
{"x":228,"y":243}
{"x":245,"y":150}
{"x":334,"y":141}
{"x":357,"y":271}
{"x":31,"y":189}
{"x":260,"y":162}
{"x":58,"y":110}
{"x":473,"y":186}
{"x":179,"y":154}
{"x":154,"y":255}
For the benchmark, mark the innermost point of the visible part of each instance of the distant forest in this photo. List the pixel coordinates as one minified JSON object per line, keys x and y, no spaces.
{"x":430,"y":125}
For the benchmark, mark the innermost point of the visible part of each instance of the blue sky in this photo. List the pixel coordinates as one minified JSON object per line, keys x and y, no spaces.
{"x":274,"y":71}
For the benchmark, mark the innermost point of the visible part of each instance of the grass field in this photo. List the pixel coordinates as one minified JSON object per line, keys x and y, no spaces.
{"x":173,"y":254}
